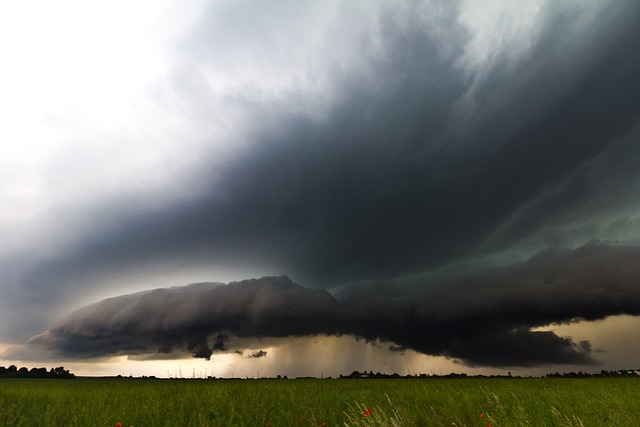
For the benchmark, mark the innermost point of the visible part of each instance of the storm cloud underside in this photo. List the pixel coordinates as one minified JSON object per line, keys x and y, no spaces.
{"x":485,"y":319}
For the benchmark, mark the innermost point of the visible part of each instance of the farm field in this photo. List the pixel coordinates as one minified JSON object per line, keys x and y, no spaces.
{"x":313,"y":402}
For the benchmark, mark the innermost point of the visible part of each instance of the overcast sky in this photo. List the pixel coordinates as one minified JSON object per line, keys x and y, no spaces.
{"x":404,"y":185}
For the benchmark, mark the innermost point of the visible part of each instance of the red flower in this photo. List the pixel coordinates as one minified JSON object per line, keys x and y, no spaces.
{"x":489,"y":425}
{"x":118,"y":424}
{"x":368,"y":413}
{"x":324,"y":424}
{"x":482,"y":416}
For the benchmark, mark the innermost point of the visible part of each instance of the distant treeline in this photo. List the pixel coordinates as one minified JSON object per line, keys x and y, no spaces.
{"x":453,"y":375}
{"x":378,"y":375}
{"x":601,"y":374}
{"x":13,"y":372}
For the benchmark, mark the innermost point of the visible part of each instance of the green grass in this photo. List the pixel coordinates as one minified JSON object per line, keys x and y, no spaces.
{"x":411,"y":402}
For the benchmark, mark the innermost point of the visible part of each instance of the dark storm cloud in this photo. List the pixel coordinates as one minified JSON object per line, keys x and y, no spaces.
{"x":189,"y":317}
{"x":400,"y":176}
{"x":484,"y":319}
{"x":393,"y":181}
{"x":258,"y":354}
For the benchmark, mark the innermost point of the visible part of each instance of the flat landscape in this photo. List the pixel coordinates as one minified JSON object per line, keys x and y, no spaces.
{"x":315,"y":402}
{"x":271,"y":193}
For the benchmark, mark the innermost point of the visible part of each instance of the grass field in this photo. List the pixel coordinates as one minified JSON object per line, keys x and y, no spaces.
{"x":411,"y":402}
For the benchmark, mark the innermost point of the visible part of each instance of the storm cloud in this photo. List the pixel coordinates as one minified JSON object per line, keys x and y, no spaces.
{"x":487,"y":319}
{"x":434,"y":180}
{"x":417,"y":160}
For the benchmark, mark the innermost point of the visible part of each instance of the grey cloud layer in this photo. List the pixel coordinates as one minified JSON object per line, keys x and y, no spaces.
{"x":416,"y":163}
{"x":484,"y":319}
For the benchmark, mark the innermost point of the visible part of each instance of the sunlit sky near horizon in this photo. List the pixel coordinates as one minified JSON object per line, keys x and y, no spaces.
{"x":424,"y":186}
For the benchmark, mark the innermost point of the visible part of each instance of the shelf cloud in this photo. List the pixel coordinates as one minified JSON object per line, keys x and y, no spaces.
{"x":486,"y":319}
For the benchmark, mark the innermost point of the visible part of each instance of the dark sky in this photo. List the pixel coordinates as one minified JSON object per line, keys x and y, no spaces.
{"x":437,"y":176}
{"x":493,"y":309}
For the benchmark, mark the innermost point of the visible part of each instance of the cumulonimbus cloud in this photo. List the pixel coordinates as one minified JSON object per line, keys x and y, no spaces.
{"x":488,"y":318}
{"x":414,"y":162}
